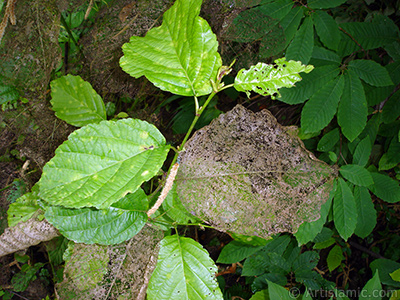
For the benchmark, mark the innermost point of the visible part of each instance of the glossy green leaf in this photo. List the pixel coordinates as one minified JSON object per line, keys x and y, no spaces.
{"x":266,"y":79}
{"x":366,"y":219}
{"x":184,"y":271}
{"x":344,"y":210}
{"x":23,"y":208}
{"x":101,"y":163}
{"x":327,"y":29}
{"x":385,"y":267}
{"x":352,"y":111}
{"x":310,"y":84}
{"x":290,"y":23}
{"x":323,"y":4}
{"x":76,"y":102}
{"x":334,"y":258}
{"x":277,"y":9}
{"x":371,"y":72}
{"x":329,"y":140}
{"x":385,"y":188}
{"x":373,"y":289}
{"x":303,"y":42}
{"x":278,"y":292}
{"x":236,"y":252}
{"x":110,"y":226}
{"x":180,"y":56}
{"x":320,"y":109}
{"x":362,"y":152}
{"x":356,"y":174}
{"x":322,"y":57}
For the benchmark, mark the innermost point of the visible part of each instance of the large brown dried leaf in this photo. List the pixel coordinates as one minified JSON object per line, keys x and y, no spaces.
{"x":247,"y":174}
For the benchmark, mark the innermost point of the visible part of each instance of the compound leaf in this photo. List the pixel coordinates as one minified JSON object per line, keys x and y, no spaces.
{"x":322,"y":56}
{"x":184,"y":271}
{"x":290,"y":23}
{"x":303,"y":42}
{"x":371,"y":72}
{"x":111,"y":226}
{"x":101,"y":163}
{"x":76,"y":102}
{"x":310,"y":84}
{"x":180,"y":56}
{"x":366,"y":219}
{"x":327,"y":29}
{"x":266,"y":79}
{"x":320,"y":109}
{"x":344,"y":210}
{"x":353,"y":111}
{"x":357,"y":175}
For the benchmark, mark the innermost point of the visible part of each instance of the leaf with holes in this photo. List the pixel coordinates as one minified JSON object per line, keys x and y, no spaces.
{"x":266,"y":79}
{"x":100,"y":163}
{"x":184,"y":271}
{"x":180,"y":56}
{"x":114,"y":225}
{"x":76,"y":102}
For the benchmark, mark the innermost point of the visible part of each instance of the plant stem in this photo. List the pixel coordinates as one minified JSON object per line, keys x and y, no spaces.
{"x":199,"y":111}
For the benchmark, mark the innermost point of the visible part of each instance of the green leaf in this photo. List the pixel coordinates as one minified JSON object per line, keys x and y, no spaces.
{"x":236,"y":252}
{"x":368,"y":35}
{"x":310,"y":84}
{"x":344,"y":210}
{"x":277,"y":9}
{"x":395,"y":275}
{"x":320,"y":109}
{"x":290,"y":23}
{"x":329,"y":140}
{"x":23,"y":208}
{"x":323,"y":4}
{"x":385,"y":188}
{"x":278,"y":292}
{"x":352,"y":111}
{"x":110,"y":226}
{"x":76,"y":102}
{"x":306,"y":260}
{"x":366,"y":219}
{"x":8,"y":94}
{"x":249,"y":240}
{"x":261,"y":295}
{"x":266,"y":79}
{"x":184,"y":271}
{"x":322,"y":57}
{"x":371,"y":72}
{"x":362,"y":152}
{"x":385,"y":267}
{"x":327,"y":29}
{"x":302,"y":45}
{"x":373,"y":289}
{"x":180,"y":56}
{"x":391,"y":110}
{"x":357,"y":175}
{"x":392,"y":157}
{"x":101,"y":163}
{"x":334,"y":258}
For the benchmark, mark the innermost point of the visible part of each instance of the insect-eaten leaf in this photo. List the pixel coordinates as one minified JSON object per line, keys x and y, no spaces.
{"x":246,"y":174}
